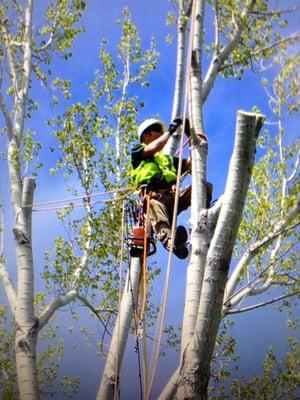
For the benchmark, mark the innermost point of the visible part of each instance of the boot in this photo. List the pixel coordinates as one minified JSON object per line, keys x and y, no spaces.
{"x":180,"y":247}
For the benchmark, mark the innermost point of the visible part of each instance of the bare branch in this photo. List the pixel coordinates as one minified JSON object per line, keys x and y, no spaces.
{"x":47,"y":44}
{"x":169,"y":390}
{"x":271,"y":270}
{"x":50,"y":40}
{"x":249,"y":287}
{"x":94,"y":311}
{"x":9,"y":288}
{"x":219,"y":57}
{"x":255,"y":247}
{"x":295,"y":169}
{"x":7,"y":118}
{"x":57,"y":303}
{"x":263,"y":304}
{"x":217,"y":28}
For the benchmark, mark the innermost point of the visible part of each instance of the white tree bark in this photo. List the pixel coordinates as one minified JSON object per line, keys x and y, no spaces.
{"x":21,"y":197}
{"x":196,"y":360}
{"x":171,"y":146}
{"x":9,"y":288}
{"x":200,"y":235}
{"x":26,"y":322}
{"x":110,"y":376}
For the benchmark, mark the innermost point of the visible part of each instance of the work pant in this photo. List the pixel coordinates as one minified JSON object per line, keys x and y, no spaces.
{"x":162,"y":207}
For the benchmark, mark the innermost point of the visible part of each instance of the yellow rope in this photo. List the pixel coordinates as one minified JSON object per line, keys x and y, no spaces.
{"x":143,"y":307}
{"x":174,"y":221}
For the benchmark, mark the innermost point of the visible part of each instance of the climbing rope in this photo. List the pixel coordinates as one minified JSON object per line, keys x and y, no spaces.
{"x":174,"y":220}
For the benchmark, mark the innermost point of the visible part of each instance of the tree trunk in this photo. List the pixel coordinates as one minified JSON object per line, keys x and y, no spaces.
{"x":110,"y":378}
{"x":25,"y":320}
{"x":196,"y":360}
{"x":171,"y":146}
{"x":200,"y":232}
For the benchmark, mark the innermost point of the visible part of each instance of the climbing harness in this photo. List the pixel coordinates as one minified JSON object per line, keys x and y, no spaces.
{"x":140,"y":240}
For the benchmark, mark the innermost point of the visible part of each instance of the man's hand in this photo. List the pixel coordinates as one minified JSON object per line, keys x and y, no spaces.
{"x":175,"y":124}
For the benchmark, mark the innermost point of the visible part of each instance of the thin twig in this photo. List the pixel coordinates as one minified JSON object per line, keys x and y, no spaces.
{"x":255,"y":306}
{"x":94,"y":311}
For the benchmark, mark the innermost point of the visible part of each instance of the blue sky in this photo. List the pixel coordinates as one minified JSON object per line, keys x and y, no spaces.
{"x":220,"y":111}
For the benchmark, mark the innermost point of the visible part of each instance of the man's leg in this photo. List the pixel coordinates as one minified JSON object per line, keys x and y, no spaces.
{"x":159,"y":219}
{"x":184,"y":201}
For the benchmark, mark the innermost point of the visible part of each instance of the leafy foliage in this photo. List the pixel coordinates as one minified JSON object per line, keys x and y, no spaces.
{"x":47,"y":364}
{"x":278,"y":380}
{"x":256,"y":28}
{"x":93,"y":147}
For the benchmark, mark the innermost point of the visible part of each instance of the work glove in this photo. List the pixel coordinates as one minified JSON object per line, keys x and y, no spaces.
{"x":187,"y":129}
{"x":174,"y":125}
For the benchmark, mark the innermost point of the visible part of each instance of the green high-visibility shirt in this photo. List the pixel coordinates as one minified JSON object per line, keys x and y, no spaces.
{"x":160,"y":169}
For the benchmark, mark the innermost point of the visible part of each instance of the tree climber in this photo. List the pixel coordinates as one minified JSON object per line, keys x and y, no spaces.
{"x":158,"y":172}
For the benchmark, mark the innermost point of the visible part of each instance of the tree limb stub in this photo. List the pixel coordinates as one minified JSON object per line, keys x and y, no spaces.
{"x":199,"y":352}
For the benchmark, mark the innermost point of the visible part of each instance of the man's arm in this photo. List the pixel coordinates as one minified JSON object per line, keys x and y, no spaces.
{"x":151,"y":148}
{"x":155,"y":146}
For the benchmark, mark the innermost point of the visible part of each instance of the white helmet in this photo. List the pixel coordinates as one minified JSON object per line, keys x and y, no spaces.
{"x":145,"y":124}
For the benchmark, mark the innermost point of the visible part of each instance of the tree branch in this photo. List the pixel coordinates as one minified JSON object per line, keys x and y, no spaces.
{"x":94,"y":311}
{"x":50,"y":40}
{"x":276,"y":12}
{"x":7,"y":118}
{"x":255,"y":247}
{"x":263,"y":304}
{"x":57,"y":303}
{"x":169,"y":390}
{"x":11,"y":61}
{"x":220,"y":56}
{"x":9,"y":288}
{"x":248,"y":288}
{"x":293,"y":37}
{"x":295,"y":169}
